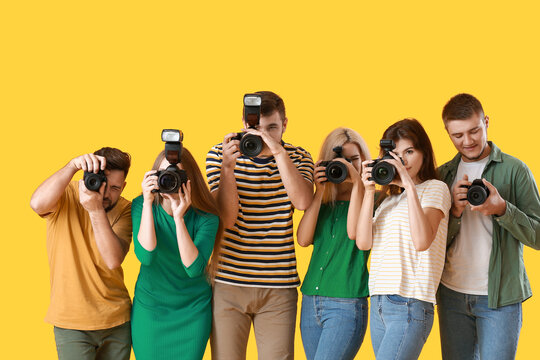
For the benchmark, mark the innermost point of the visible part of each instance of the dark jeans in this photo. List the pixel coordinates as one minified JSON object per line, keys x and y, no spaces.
{"x":113,"y":343}
{"x":471,"y":330}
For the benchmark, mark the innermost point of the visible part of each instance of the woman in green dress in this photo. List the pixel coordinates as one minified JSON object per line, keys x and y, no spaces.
{"x":174,"y":235}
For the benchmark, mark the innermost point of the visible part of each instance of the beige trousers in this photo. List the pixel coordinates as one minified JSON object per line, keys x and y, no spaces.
{"x":272,"y":311}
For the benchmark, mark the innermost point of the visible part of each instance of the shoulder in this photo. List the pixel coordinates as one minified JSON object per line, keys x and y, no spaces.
{"x":216,"y":150}
{"x":513,"y":163}
{"x":435,"y":186}
{"x":137,"y":203}
{"x":297,"y":153}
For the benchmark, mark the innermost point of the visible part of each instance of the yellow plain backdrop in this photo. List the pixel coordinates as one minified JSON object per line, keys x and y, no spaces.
{"x":76,"y":76}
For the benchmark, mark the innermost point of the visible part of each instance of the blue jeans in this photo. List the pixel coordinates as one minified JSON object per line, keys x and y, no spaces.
{"x":471,"y":330}
{"x":399,"y":326}
{"x":332,"y":328}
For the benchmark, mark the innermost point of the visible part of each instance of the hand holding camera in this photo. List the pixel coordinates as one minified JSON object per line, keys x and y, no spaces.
{"x":149,"y":184}
{"x":336,"y":170}
{"x":93,"y":167}
{"x":250,"y":141}
{"x":181,"y":201}
{"x":459,"y":196}
{"x":493,"y":203}
{"x":91,"y":200}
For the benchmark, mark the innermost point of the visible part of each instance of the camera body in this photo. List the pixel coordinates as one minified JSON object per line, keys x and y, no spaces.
{"x":478,"y":192}
{"x":383,"y":173}
{"x":172,"y":178}
{"x":251,"y":145}
{"x":335,"y":171}
{"x":93,"y":180}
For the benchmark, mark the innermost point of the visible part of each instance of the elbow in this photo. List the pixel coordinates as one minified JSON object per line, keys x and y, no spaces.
{"x":351,"y":234}
{"x":35,"y":205}
{"x":303,"y":243}
{"x":303,"y":204}
{"x":422,"y":245}
{"x":361,"y":245}
{"x":113,"y":264}
{"x":228,"y":221}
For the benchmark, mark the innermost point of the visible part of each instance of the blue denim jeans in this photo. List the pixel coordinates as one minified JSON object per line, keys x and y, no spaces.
{"x":332,"y":328}
{"x":471,"y":330}
{"x":399,"y":326}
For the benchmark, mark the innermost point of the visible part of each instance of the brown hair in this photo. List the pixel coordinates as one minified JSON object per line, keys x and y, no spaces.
{"x":201,"y":198}
{"x":272,"y":102}
{"x":411,"y":129}
{"x":461,"y":107}
{"x":115,"y":159}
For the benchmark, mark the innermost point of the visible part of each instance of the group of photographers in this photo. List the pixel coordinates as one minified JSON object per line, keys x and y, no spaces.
{"x":218,"y":258}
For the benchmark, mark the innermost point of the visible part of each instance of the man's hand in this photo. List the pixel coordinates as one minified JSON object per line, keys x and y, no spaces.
{"x":231,"y":151}
{"x":88,"y":162}
{"x":494,"y":205}
{"x":274,"y":146}
{"x":92,"y":201}
{"x":459,"y":196}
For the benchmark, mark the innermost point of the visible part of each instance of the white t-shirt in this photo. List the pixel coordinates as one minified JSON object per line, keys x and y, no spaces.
{"x":396,"y":266}
{"x":467,"y":261}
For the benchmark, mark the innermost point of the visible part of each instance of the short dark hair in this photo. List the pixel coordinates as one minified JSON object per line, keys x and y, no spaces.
{"x":116,"y":159}
{"x":461,"y":107}
{"x":271,"y":102}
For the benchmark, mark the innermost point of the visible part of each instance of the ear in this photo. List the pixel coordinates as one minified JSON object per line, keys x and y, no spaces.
{"x":285,"y":121}
{"x":123,"y":187}
{"x":486,"y":120}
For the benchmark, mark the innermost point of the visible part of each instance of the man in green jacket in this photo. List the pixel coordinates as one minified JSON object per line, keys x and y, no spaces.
{"x":484,"y":280}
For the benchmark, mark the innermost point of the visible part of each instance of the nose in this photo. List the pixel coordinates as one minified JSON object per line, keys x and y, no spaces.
{"x":467,"y":140}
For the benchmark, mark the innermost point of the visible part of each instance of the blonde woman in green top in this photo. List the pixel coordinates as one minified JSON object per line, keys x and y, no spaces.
{"x":334,"y":303}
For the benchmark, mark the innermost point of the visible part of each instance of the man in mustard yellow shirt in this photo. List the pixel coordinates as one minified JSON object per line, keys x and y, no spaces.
{"x":88,"y":236}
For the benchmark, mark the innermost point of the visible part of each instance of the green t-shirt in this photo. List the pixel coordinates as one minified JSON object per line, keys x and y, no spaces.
{"x":337,"y":267}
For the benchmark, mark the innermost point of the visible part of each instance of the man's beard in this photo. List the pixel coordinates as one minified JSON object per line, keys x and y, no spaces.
{"x":110,"y":207}
{"x":479,"y":155}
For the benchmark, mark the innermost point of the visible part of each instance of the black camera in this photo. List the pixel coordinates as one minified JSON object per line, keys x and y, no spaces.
{"x":335,"y":171}
{"x":383,"y":173}
{"x":93,"y":180}
{"x":172,"y":178}
{"x":478,"y":192}
{"x":251,"y":145}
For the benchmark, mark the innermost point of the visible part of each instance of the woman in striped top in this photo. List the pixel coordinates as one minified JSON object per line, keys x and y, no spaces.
{"x":407,"y":238}
{"x":334,"y":304}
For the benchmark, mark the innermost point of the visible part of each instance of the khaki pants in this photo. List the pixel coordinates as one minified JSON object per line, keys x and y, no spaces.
{"x":113,"y":343}
{"x":272,"y":311}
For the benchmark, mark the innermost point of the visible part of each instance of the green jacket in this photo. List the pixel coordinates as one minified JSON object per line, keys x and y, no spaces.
{"x":520,"y":225}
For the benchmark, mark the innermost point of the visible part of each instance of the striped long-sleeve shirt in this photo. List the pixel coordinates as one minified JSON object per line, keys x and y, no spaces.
{"x":258,"y":250}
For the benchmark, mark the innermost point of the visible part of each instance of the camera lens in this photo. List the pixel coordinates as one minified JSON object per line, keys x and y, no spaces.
{"x":167,"y":182}
{"x":336,"y":172}
{"x":93,"y":181}
{"x":477,"y":195}
{"x":383,"y":173}
{"x":251,"y":145}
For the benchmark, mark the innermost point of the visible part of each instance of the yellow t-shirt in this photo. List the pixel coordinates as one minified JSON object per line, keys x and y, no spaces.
{"x":85,"y":294}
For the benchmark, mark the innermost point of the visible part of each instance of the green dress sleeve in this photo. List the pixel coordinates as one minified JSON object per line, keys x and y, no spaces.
{"x":144,"y":256}
{"x":204,"y":234}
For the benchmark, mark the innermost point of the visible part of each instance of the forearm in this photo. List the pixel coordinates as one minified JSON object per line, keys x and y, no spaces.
{"x":306,"y":228}
{"x":364,"y":228}
{"x":299,"y":190}
{"x":188,"y":250}
{"x":47,"y":195}
{"x":110,"y":246}
{"x":357,"y":194}
{"x":227,"y":197}
{"x":422,"y":233}
{"x":524,"y":228}
{"x":147,"y":233}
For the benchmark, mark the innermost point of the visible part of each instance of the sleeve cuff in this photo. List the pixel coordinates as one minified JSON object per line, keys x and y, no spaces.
{"x":197,"y":266}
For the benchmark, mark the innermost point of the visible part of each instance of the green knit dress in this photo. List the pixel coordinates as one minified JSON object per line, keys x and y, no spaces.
{"x":172,"y":316}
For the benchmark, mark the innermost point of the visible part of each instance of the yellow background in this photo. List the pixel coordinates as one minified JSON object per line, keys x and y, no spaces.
{"x":76,"y":76}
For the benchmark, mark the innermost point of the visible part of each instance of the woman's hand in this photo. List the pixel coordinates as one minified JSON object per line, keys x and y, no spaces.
{"x":180,"y":202}
{"x":369,"y":184}
{"x":149,"y":183}
{"x":404,"y":178}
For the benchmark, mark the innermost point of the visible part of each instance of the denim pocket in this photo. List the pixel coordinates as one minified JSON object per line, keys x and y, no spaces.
{"x":397,"y":300}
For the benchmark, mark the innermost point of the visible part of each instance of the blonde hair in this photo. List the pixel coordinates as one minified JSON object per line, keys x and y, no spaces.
{"x":340,"y":137}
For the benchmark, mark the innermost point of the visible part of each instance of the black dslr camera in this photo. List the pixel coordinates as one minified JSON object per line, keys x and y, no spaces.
{"x":172,"y":178}
{"x":251,"y":145}
{"x":336,"y":172}
{"x":383,"y":173}
{"x":93,"y":181}
{"x":477,"y":193}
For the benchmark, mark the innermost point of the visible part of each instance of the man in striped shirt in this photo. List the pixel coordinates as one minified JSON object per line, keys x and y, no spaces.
{"x":256,"y":278}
